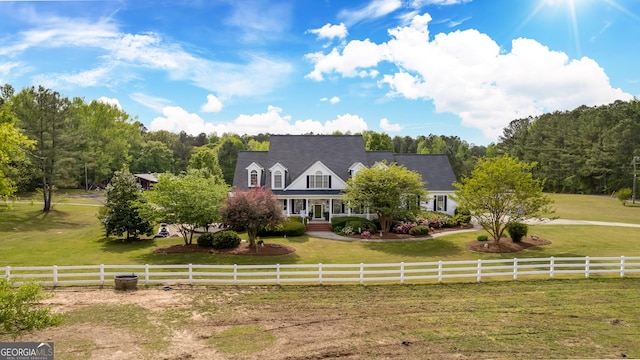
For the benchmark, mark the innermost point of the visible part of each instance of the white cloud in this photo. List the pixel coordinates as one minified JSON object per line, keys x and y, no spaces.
{"x":467,"y":73}
{"x":333,"y":100}
{"x":386,"y":126}
{"x":154,"y":103}
{"x":373,"y":10}
{"x":110,"y":101}
{"x":126,"y":53}
{"x":421,"y":3}
{"x":331,"y":32}
{"x":6,"y":69}
{"x":213,"y":104}
{"x":176,"y":119}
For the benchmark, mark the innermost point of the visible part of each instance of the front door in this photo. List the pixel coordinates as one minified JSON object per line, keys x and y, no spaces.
{"x":317,"y":211}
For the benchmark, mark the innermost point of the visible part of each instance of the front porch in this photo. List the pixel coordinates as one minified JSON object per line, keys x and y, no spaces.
{"x":318,"y":209}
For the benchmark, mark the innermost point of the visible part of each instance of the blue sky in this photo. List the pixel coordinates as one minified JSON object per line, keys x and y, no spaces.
{"x":404,"y":67}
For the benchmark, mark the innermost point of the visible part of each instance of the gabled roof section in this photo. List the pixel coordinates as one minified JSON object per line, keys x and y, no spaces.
{"x":298,"y":152}
{"x":435,"y":169}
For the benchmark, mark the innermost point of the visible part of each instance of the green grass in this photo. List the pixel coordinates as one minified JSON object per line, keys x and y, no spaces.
{"x":72,"y":235}
{"x":594,"y":208}
{"x":242,"y":339}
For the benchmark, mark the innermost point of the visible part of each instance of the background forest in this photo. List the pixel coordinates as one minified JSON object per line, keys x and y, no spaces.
{"x":80,"y":144}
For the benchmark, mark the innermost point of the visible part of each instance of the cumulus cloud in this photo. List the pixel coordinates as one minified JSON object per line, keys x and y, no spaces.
{"x":375,"y":9}
{"x":468,"y":74}
{"x":177,"y":119}
{"x":331,"y":32}
{"x":110,"y":101}
{"x":213,"y":104}
{"x":386,"y":126}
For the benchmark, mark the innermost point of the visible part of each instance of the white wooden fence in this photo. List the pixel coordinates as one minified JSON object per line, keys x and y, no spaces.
{"x":473,"y":270}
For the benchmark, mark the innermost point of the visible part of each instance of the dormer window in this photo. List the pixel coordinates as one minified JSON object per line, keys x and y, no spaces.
{"x":278,"y":172}
{"x":277,"y":179}
{"x":253,"y":178}
{"x":254,"y":175}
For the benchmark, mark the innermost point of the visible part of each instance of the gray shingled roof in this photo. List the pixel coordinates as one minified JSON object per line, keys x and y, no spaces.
{"x":338,"y":152}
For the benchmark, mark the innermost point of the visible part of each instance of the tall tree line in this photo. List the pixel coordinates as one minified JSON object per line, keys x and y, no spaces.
{"x":586,"y":150}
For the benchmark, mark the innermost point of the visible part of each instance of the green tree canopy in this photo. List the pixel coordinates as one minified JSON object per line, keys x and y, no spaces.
{"x":189,"y":200}
{"x":389,"y":191}
{"x":502,"y":190}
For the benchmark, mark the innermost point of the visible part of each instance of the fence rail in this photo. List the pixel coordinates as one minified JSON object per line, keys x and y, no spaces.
{"x":404,"y":272}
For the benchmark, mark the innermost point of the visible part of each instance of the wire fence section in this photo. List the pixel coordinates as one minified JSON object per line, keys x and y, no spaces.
{"x":280,"y":274}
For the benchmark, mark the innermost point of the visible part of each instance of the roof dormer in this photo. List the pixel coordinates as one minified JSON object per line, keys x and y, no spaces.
{"x":254,"y":175}
{"x":278,"y":172}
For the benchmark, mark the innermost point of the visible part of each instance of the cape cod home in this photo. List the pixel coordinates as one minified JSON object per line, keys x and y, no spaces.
{"x":308,"y":172}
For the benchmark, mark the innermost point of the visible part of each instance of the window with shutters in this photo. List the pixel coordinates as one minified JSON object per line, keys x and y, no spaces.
{"x":319,"y":181}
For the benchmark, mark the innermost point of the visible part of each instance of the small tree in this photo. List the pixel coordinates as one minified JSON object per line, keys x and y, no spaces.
{"x":253,"y":210}
{"x":502,"y":190}
{"x":190,"y":200}
{"x":120,"y":213}
{"x":388,"y":190}
{"x":19,"y":309}
{"x":624,"y":195}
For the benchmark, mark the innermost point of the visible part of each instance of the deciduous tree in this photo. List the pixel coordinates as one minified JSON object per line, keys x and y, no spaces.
{"x":502,"y":190}
{"x":387,"y":190}
{"x":252,"y":210}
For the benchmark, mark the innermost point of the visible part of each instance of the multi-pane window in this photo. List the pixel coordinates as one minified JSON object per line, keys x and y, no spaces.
{"x":440,"y":203}
{"x":319,"y":181}
{"x":253,"y":181}
{"x":277,"y":179}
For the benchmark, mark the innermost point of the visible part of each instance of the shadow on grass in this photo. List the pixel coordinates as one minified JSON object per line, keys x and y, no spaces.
{"x":215,"y":259}
{"x":122,"y":246}
{"x":37,"y":220}
{"x":431,"y":247}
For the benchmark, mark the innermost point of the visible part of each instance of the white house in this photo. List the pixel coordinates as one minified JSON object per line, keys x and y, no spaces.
{"x":308,"y":172}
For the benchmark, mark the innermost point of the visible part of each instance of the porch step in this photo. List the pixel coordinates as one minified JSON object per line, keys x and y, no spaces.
{"x":319,"y":226}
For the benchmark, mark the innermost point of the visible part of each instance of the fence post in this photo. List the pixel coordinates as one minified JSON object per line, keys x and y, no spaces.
{"x":101,"y":274}
{"x":479,"y":276}
{"x":320,"y":274}
{"x":440,"y":271}
{"x":55,"y":275}
{"x":552,"y":264}
{"x":586,"y":267}
{"x":402,"y":272}
{"x":515,"y":268}
{"x":146,"y":274}
{"x":278,"y":274}
{"x":190,"y":274}
{"x":7,"y":273}
{"x":361,"y":274}
{"x":235,"y":274}
{"x":622,"y":266}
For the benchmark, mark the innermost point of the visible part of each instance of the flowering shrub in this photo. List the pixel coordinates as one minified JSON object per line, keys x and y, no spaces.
{"x":403,"y":227}
{"x":366,"y":234}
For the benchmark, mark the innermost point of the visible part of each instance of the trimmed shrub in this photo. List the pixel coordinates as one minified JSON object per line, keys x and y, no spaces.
{"x":419,"y":230}
{"x":360,"y":225}
{"x":338,"y":223}
{"x":205,"y":240}
{"x":482,"y":238}
{"x":291,"y":227}
{"x":225,"y":239}
{"x":517,"y":231}
{"x":462,"y":217}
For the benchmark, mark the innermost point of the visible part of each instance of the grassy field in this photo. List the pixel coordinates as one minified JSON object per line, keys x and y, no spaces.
{"x":499,"y":320}
{"x":72,"y":235}
{"x":594,"y":208}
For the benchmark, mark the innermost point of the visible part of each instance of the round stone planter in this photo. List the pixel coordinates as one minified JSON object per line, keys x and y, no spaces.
{"x":126,"y":282}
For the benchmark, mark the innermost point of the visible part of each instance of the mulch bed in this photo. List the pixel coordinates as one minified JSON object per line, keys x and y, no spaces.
{"x":505,"y":245}
{"x":395,"y":236}
{"x":242,"y":249}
